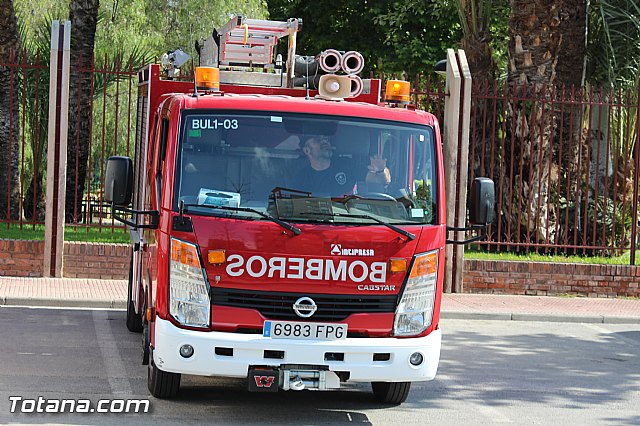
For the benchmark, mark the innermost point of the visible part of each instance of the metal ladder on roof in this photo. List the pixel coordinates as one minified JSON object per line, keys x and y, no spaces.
{"x":253,"y":41}
{"x":244,"y":51}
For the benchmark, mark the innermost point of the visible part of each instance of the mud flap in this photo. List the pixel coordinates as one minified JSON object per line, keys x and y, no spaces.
{"x":263,"y":380}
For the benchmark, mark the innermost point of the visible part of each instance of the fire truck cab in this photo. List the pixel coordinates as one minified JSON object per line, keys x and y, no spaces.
{"x":285,"y":235}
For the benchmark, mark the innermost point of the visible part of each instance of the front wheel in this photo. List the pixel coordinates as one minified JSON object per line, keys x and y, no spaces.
{"x":162,"y":384}
{"x":391,"y":392}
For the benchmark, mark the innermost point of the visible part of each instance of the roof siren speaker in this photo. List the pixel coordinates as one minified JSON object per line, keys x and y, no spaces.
{"x":334,"y":87}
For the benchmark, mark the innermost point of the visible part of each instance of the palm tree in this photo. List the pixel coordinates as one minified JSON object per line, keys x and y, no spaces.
{"x":10,"y":53}
{"x":534,"y":48}
{"x":570,"y":78}
{"x":475,"y":17}
{"x":84,"y":18}
{"x":573,"y":30}
{"x":36,"y":115}
{"x":613,"y":49}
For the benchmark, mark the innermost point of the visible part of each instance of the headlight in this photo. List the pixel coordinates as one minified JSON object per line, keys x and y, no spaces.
{"x":415,"y":310}
{"x":189,"y":301}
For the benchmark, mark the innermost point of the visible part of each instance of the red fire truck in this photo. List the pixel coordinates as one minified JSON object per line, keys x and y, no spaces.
{"x":282,"y":234}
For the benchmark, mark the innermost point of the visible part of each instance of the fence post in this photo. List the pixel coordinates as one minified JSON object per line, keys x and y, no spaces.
{"x":636,"y":177}
{"x":57,"y":148}
{"x":457,"y":118}
{"x":450,"y":147}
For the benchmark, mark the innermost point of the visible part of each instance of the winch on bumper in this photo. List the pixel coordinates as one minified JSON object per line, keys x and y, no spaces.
{"x":292,"y":377}
{"x":223,"y":354}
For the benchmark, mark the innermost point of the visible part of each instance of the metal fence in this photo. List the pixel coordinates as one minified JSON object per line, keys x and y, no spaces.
{"x":565,"y":164}
{"x":111,"y":87}
{"x":101,"y":123}
{"x":564,"y":161}
{"x":24,"y":91}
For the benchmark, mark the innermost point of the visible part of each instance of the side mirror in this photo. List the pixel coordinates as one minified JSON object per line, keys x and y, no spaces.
{"x":118,"y":182}
{"x":440,"y":67}
{"x":483,"y":198}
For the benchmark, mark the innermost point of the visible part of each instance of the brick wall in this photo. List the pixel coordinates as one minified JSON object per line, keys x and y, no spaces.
{"x":549,"y":279}
{"x":96,"y":260}
{"x":21,"y":258}
{"x":111,"y":261}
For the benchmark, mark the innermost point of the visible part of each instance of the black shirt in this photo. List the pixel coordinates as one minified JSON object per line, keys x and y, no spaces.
{"x":338,"y":179}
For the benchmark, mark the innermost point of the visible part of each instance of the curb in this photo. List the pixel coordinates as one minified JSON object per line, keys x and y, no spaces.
{"x":63,"y":303}
{"x":458,"y":315}
{"x":516,"y":316}
{"x":488,"y":316}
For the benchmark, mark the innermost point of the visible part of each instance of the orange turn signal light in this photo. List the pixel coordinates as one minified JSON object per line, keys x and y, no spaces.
{"x":216,"y":257}
{"x":397,"y":265}
{"x":425,"y":265}
{"x":184,"y":253}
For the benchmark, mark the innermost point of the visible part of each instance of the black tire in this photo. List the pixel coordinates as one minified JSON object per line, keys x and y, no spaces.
{"x":391,"y":392}
{"x":162,"y":384}
{"x":134,"y":321}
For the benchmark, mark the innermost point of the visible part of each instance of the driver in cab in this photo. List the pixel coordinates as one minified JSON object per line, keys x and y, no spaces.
{"x":325,"y":175}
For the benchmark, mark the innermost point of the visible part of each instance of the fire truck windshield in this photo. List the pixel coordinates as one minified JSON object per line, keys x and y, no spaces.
{"x":306,"y":168}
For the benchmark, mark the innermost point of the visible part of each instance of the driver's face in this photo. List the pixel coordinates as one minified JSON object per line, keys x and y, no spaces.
{"x":318,"y":147}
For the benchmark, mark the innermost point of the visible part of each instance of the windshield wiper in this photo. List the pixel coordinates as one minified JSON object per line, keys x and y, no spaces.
{"x":285,"y":225}
{"x":407,"y":234}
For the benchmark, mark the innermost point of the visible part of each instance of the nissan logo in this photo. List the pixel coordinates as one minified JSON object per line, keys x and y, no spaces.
{"x":305,"y":307}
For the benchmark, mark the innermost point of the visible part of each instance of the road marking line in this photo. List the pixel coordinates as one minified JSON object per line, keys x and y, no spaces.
{"x":118,"y":380}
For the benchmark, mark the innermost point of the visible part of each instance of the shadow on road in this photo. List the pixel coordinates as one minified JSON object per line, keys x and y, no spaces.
{"x":84,"y":354}
{"x":558,"y":368}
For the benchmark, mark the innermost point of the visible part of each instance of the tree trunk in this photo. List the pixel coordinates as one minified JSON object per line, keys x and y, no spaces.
{"x":570,"y":74}
{"x":476,"y":43}
{"x":479,"y":57}
{"x":534,"y":45}
{"x":571,"y":63}
{"x":84,"y":17}
{"x":10,"y":51}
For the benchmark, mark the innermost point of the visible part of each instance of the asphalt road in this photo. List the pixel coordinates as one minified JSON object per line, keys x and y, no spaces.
{"x":490,"y":372}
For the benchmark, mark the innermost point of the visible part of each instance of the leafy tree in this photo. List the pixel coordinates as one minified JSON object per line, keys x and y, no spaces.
{"x":418,"y":33}
{"x":393,"y":36}
{"x":177,"y":24}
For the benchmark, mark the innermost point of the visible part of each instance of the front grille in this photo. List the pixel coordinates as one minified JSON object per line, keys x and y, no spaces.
{"x":279,"y":306}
